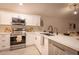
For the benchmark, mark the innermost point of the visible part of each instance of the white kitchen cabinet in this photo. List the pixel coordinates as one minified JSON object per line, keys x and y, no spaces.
{"x":38,"y":39}
{"x":4,"y":41}
{"x":54,"y":50}
{"x":41,"y":43}
{"x":6,"y":18}
{"x":51,"y":49}
{"x":33,"y":20}
{"x":30,"y":37}
{"x":59,"y":49}
{"x":45,"y":46}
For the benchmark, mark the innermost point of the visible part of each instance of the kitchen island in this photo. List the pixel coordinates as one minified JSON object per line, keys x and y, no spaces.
{"x":62,"y":45}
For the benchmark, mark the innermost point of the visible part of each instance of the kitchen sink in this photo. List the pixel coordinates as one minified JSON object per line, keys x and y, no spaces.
{"x":66,"y":34}
{"x":48,"y":34}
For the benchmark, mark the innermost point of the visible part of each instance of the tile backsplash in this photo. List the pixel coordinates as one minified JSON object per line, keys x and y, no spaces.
{"x":33,"y":28}
{"x":7,"y":28}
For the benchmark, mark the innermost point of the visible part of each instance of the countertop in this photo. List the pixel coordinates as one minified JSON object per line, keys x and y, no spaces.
{"x":68,"y":41}
{"x":5,"y":33}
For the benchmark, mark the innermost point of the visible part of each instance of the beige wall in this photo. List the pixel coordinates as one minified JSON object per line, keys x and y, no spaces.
{"x":62,"y":23}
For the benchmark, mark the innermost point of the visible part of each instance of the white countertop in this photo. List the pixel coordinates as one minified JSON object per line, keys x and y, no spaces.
{"x":69,"y":41}
{"x":4,"y":33}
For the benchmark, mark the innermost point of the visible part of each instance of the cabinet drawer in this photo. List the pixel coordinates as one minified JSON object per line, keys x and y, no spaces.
{"x":5,"y":38}
{"x":4,"y":42}
{"x":2,"y":47}
{"x":4,"y":35}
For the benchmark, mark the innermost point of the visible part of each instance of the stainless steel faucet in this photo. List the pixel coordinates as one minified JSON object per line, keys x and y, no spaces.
{"x":50,"y":29}
{"x":56,"y":30}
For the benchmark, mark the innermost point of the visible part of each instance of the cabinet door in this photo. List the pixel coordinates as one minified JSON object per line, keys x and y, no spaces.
{"x":30,"y":39}
{"x":51,"y":49}
{"x":4,"y":42}
{"x":33,"y":20}
{"x":54,"y":50}
{"x":5,"y":18}
{"x":45,"y":46}
{"x":38,"y":41}
{"x":59,"y":51}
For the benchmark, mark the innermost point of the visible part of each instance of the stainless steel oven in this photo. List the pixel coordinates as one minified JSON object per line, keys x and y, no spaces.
{"x":18,"y":35}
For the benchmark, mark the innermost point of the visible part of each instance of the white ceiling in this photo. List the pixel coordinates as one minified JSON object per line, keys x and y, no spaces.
{"x":46,"y":9}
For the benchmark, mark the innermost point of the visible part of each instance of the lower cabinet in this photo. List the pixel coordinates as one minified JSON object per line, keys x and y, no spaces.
{"x":42,"y":44}
{"x":38,"y":41}
{"x":4,"y":41}
{"x":30,"y":38}
{"x":59,"y":49}
{"x":45,"y":46}
{"x":53,"y":50}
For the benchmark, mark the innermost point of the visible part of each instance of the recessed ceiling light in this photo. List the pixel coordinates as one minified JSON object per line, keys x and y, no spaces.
{"x":20,"y":4}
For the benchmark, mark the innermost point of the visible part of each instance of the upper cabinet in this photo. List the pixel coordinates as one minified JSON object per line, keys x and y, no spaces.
{"x":33,"y":20}
{"x":6,"y":18}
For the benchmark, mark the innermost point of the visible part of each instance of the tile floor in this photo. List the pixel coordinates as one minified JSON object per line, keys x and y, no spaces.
{"x":31,"y":50}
